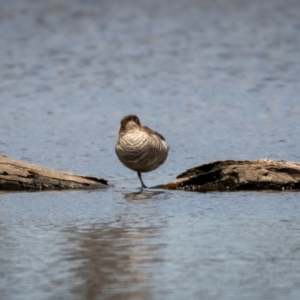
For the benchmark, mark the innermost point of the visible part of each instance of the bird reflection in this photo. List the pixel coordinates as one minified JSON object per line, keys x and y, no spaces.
{"x":107,"y":258}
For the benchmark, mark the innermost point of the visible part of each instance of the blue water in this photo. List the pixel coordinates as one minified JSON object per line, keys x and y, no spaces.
{"x":218,"y":79}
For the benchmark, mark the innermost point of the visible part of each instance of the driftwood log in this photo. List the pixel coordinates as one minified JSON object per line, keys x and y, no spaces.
{"x":19,"y":175}
{"x":228,"y":175}
{"x":231,"y":175}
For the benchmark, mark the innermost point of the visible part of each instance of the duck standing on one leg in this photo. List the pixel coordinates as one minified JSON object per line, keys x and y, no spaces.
{"x":140,"y":148}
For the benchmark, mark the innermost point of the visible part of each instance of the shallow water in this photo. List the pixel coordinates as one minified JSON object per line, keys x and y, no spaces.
{"x":219,"y":79}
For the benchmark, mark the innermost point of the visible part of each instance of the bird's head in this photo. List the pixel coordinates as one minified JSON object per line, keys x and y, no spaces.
{"x":129,"y":122}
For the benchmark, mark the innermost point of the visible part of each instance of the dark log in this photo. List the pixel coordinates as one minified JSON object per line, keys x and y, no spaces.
{"x":22,"y":176}
{"x":237,"y":175}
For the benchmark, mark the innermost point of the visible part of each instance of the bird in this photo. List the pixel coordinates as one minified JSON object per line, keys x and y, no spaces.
{"x":140,"y":148}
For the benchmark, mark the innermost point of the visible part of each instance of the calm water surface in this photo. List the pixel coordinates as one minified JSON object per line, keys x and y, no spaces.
{"x":219,"y":79}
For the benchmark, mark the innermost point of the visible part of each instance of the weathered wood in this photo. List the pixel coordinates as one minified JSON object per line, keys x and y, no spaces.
{"x":234,"y":175}
{"x":19,"y":175}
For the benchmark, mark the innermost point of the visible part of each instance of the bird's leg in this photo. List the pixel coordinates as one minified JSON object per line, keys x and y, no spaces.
{"x":141,"y":180}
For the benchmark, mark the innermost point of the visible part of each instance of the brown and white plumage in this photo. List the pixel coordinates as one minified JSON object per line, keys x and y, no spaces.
{"x":140,"y":148}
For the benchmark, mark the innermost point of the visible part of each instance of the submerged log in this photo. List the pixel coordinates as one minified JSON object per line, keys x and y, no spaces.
{"x":237,"y":175}
{"x":19,"y":175}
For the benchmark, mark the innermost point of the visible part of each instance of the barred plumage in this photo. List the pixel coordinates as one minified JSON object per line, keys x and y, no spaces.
{"x":140,"y":148}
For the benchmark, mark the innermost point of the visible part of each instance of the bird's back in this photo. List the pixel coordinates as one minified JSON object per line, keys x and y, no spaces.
{"x":142,"y":150}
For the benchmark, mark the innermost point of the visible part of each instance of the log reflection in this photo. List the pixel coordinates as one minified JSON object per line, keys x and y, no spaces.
{"x":142,"y":195}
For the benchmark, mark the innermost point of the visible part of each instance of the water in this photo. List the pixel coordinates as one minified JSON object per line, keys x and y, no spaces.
{"x":219,"y":79}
